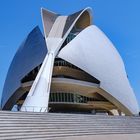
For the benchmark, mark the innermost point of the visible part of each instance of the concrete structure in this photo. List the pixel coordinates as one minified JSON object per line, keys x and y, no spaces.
{"x":74,"y":67}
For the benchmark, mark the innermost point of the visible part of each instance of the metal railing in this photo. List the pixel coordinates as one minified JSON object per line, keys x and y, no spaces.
{"x":34,"y":109}
{"x":64,"y":63}
{"x":69,"y":98}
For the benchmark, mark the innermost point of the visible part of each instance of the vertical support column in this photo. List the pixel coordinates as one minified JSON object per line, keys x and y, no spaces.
{"x":38,"y":97}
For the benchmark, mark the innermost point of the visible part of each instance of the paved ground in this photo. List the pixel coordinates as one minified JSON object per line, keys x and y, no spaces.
{"x":106,"y":137}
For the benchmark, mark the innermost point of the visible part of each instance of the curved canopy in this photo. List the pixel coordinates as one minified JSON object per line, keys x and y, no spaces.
{"x":92,"y":51}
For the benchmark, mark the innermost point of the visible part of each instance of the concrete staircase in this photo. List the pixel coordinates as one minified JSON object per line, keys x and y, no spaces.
{"x":26,"y":125}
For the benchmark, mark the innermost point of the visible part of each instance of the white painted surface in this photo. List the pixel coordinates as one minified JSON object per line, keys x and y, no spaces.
{"x":92,"y":51}
{"x":38,"y":96}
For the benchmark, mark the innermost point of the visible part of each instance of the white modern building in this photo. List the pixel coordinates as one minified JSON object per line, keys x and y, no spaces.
{"x":73,"y":67}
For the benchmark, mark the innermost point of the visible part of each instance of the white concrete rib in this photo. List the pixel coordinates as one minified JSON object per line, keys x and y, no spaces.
{"x":35,"y":101}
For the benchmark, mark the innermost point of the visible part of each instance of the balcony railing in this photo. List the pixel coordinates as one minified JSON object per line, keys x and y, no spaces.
{"x":70,"y":98}
{"x":64,"y":63}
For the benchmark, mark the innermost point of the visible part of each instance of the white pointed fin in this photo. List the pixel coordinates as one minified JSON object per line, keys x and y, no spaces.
{"x":48,"y":19}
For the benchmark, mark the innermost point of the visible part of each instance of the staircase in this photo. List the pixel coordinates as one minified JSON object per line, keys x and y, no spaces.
{"x":27,"y":125}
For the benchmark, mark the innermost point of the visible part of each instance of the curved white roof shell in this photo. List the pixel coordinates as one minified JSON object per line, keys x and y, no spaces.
{"x":92,"y":51}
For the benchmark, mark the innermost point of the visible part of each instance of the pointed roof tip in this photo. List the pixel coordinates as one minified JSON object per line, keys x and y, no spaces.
{"x":48,"y":11}
{"x":35,"y":28}
{"x":41,"y":9}
{"x":88,"y":9}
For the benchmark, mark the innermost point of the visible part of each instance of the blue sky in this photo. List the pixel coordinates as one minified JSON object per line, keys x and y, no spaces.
{"x":119,"y":19}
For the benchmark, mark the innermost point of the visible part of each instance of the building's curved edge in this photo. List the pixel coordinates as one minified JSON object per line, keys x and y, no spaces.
{"x":97,"y":56}
{"x":48,"y":19}
{"x":29,"y":55}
